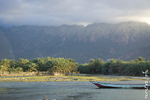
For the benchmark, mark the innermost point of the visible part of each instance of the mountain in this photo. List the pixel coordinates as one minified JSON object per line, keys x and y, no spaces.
{"x":125,"y":41}
{"x":5,"y":47}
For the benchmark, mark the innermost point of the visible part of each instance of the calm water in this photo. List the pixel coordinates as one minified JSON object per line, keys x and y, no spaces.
{"x":65,"y":91}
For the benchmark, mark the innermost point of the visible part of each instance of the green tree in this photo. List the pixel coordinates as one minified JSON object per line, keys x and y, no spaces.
{"x":140,"y":59}
{"x":84,"y":68}
{"x":32,"y":67}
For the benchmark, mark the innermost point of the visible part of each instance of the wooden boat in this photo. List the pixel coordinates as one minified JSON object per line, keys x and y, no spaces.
{"x":123,"y":86}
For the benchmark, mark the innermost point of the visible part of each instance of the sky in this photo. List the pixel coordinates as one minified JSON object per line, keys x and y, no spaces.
{"x":80,"y":12}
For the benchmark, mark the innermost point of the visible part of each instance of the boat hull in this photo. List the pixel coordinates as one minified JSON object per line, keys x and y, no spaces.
{"x":123,"y":86}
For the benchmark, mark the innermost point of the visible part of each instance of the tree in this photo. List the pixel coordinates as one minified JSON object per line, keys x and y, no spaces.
{"x":96,"y":65}
{"x":32,"y":67}
{"x":84,"y":68}
{"x":140,"y":59}
{"x":22,"y":62}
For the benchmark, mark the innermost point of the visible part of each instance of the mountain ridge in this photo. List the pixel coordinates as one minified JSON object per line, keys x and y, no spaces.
{"x":97,"y":40}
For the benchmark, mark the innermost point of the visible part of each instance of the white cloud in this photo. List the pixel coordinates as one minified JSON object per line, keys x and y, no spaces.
{"x":57,"y":12}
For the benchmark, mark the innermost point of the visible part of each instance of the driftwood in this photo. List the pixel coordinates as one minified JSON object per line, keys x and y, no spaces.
{"x":45,"y":98}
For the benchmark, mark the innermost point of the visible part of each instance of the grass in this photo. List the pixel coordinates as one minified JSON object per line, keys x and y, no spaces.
{"x":7,"y":89}
{"x":64,"y":78}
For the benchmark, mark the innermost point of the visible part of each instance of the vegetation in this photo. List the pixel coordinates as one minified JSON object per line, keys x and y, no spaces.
{"x":67,"y":66}
{"x":65,"y":78}
{"x":52,"y":65}
{"x":116,"y":67}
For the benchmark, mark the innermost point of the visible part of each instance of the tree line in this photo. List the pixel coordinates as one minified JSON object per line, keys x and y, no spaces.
{"x":51,"y":65}
{"x":116,"y":67}
{"x":61,"y":65}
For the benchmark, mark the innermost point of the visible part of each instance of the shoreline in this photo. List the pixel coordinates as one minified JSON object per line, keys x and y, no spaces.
{"x":63,"y":78}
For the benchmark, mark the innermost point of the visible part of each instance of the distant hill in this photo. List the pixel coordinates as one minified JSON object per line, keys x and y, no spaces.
{"x":125,"y":41}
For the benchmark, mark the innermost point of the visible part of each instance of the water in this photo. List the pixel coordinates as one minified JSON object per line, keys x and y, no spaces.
{"x":65,"y":91}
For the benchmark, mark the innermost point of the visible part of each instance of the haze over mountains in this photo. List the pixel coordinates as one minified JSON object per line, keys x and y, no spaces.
{"x":124,"y":41}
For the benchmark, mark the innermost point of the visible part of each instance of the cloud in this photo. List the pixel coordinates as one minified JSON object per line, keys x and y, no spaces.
{"x":58,"y":12}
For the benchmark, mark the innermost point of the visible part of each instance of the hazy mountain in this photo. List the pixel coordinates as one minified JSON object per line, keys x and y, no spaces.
{"x":123,"y":41}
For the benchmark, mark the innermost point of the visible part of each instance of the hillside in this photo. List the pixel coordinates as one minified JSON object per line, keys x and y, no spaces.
{"x":123,"y":41}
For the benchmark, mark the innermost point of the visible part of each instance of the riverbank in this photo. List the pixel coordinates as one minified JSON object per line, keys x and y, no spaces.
{"x":81,"y":77}
{"x":6,"y":73}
